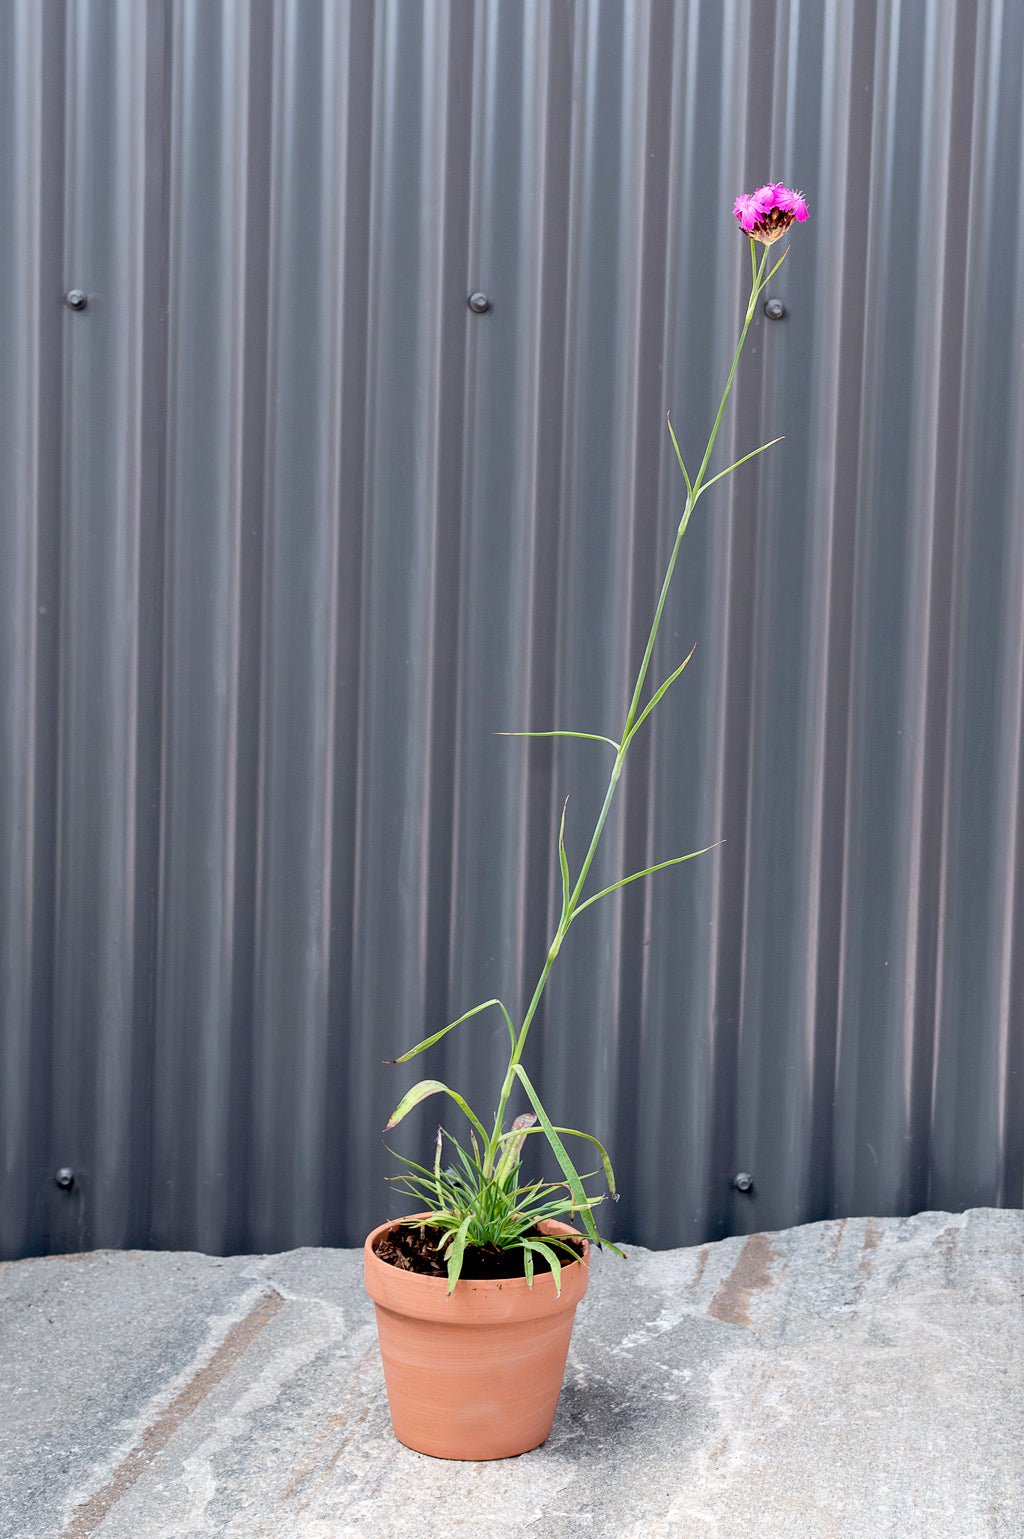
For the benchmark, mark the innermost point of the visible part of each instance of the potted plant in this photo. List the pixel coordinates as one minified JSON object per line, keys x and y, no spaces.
{"x":476,"y":1291}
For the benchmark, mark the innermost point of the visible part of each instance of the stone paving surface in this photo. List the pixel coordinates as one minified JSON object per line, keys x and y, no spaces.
{"x":846,"y":1380}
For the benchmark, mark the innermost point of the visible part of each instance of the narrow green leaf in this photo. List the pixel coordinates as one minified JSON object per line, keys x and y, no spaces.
{"x":736,"y":463}
{"x":420,"y":1092}
{"x":649,"y":707}
{"x":679,"y":457}
{"x":606,"y":1163}
{"x":455,"y":1255}
{"x":549,"y":1256}
{"x":775,"y":269}
{"x":528,"y":1263}
{"x":763,"y":278}
{"x":429,"y":1041}
{"x":558,"y":1149}
{"x":465,"y":1161}
{"x":676,"y":860}
{"x":594,"y":737}
{"x":564,"y":863}
{"x":411,"y":1164}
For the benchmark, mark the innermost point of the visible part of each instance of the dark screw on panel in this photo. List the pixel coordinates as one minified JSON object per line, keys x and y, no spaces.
{"x":774,"y":309}
{"x":744,"y":1182}
{"x":75,"y":299}
{"x":479,"y":304}
{"x":65,"y":1178}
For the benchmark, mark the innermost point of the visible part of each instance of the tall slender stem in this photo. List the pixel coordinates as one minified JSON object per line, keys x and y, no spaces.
{"x":693,"y":493}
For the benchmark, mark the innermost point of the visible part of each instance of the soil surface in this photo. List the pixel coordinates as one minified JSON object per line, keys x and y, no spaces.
{"x":414,"y":1248}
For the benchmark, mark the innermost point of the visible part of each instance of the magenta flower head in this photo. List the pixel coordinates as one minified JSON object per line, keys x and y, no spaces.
{"x":768,"y":213}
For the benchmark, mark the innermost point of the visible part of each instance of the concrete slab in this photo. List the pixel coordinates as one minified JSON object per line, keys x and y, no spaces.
{"x":853,"y":1380}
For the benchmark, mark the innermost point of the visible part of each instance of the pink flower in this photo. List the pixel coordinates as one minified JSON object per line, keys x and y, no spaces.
{"x":768,"y":213}
{"x":747,"y":210}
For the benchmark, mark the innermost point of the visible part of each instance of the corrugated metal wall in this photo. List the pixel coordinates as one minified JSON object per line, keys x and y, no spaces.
{"x":289,"y":534}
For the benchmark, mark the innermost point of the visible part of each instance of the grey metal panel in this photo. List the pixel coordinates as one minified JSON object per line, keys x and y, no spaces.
{"x":290,"y":536}
{"x":30,"y":271}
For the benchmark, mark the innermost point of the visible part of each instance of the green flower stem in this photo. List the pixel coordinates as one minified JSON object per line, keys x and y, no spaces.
{"x":691,"y":501}
{"x":693,"y":492}
{"x":759,"y":281}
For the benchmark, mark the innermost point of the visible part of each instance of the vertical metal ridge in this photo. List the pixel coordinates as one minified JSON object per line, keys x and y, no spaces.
{"x":400,"y":571}
{"x":300,"y":624}
{"x":1003,"y":1162}
{"x":25,"y":597}
{"x":872,"y":709}
{"x":99,"y":579}
{"x":980,"y":805}
{"x":1011,"y":899}
{"x":848,"y":45}
{"x":931,"y":510}
{"x":200,"y":731}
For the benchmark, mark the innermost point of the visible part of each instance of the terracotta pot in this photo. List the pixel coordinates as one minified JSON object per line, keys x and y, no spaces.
{"x":476,"y":1375}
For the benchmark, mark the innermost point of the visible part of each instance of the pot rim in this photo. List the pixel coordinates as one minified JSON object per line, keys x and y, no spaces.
{"x":411,"y":1293}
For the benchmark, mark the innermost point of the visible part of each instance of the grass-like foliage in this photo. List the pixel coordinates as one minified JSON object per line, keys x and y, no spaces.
{"x":499,"y":1211}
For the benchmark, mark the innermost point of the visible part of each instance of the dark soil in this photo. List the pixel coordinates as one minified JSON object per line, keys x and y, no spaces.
{"x":414,"y":1249}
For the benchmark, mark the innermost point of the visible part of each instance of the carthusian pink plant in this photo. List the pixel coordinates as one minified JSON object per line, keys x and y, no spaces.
{"x":481,"y":1199}
{"x":767,"y":214}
